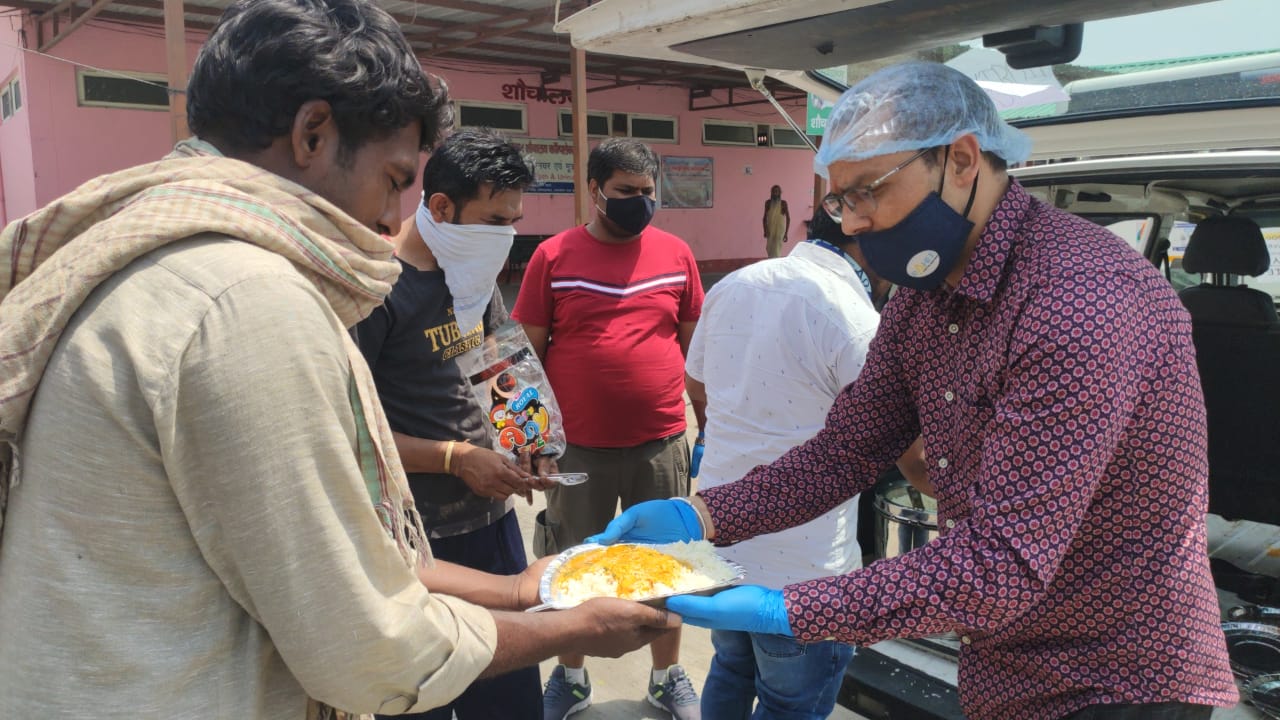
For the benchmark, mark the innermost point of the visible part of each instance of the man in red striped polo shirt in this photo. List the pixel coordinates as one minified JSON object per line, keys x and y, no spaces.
{"x":610,"y":307}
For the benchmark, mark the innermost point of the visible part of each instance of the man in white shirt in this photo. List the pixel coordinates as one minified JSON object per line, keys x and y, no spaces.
{"x":777,"y":341}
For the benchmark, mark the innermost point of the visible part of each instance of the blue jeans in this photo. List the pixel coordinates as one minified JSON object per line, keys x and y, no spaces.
{"x":792,"y":680}
{"x":517,"y":695}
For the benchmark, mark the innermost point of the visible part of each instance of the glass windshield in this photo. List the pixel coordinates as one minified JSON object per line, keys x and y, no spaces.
{"x":1212,"y":53}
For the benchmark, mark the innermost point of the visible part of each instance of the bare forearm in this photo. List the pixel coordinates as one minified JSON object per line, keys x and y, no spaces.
{"x":497,"y":592}
{"x":697,"y":399}
{"x":526,"y":639}
{"x":420,"y":455}
{"x":538,"y":337}
{"x":699,"y":412}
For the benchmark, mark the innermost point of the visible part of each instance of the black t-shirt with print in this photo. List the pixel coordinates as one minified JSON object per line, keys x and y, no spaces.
{"x":412,"y":344}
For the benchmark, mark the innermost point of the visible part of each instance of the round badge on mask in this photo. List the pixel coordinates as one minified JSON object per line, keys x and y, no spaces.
{"x":923,"y":264}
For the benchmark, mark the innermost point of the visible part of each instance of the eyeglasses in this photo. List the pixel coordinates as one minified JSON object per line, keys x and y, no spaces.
{"x":861,"y":201}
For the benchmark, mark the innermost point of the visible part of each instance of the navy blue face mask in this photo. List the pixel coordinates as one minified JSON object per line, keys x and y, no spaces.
{"x":631,"y":214}
{"x":922,"y":249}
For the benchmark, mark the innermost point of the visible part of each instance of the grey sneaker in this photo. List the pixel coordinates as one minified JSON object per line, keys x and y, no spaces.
{"x":561,"y":698}
{"x":676,"y":696}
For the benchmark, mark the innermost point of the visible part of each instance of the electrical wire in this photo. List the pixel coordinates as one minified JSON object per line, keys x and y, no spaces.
{"x":86,"y":66}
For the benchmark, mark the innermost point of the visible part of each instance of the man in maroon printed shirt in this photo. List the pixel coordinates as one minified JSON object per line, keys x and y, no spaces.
{"x":1051,"y":372}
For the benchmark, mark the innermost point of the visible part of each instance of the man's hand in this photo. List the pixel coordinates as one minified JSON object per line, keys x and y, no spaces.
{"x":654,"y":521}
{"x":613,"y":628}
{"x":746,"y":608}
{"x":537,"y":468}
{"x":544,"y":465}
{"x":605,"y":627}
{"x":525,"y":585}
{"x":487,"y":473}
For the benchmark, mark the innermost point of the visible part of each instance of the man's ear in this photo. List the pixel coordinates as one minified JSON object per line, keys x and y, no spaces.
{"x":966,"y":157}
{"x":441,"y":207}
{"x":314,"y":139}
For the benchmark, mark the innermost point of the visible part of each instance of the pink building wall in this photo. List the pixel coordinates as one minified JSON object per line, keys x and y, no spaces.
{"x":731,"y":229}
{"x":17,"y":167}
{"x":72,"y":144}
{"x":54,"y":145}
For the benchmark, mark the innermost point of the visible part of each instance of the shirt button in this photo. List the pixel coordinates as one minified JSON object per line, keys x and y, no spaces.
{"x":953,"y":328}
{"x":943,"y":463}
{"x":951,"y":524}
{"x":965,"y":639}
{"x":949,"y":396}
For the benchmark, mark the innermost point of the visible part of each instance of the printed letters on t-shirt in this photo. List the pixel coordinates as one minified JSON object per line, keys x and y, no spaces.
{"x":446,"y":337}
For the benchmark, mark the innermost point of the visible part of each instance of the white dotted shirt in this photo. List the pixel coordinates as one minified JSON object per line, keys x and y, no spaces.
{"x":777,"y":342}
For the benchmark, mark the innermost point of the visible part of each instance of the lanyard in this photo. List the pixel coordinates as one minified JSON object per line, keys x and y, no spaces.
{"x":824,"y":244}
{"x":862,"y":276}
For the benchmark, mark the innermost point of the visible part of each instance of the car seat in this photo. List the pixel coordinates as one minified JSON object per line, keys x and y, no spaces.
{"x":1237,"y":340}
{"x":1225,"y":248}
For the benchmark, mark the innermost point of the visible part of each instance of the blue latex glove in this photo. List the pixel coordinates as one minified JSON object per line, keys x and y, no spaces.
{"x":655,"y":521}
{"x":698,"y":448}
{"x":746,"y":608}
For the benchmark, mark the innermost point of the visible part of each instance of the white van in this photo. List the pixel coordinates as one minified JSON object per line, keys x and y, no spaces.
{"x":1166,"y":121}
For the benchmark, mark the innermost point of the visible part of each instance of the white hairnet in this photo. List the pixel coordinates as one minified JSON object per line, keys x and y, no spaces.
{"x":912,"y":106}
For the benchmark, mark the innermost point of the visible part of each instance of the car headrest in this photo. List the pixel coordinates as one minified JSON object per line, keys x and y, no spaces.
{"x":1229,"y":245}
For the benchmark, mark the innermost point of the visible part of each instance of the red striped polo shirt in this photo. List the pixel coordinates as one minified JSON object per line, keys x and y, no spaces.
{"x":613,"y":310}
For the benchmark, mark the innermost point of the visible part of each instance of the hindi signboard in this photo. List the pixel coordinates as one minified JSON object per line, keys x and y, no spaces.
{"x":818,"y":110}
{"x":553,"y":164}
{"x":518,"y":90}
{"x":686,"y":182}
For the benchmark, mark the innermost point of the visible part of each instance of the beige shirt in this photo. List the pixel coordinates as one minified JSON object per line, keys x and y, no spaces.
{"x":192,"y":537}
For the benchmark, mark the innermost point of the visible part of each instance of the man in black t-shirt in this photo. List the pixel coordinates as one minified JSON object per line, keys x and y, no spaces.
{"x":444,"y":304}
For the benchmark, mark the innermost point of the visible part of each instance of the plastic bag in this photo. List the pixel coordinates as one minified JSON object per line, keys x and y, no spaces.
{"x":512,"y":387}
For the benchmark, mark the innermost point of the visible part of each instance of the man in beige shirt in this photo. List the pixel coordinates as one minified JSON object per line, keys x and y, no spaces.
{"x":206,"y":516}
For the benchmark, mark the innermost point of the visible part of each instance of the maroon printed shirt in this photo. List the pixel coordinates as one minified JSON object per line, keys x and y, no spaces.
{"x":1057,"y":392}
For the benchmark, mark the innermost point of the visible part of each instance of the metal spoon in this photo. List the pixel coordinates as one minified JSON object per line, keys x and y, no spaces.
{"x":568,"y":478}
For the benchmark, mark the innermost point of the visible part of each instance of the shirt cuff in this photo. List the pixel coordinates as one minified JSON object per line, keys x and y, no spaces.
{"x":474,"y":643}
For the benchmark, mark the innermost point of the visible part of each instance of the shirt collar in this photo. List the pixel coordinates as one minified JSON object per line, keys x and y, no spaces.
{"x":1001,"y":235}
{"x":820,"y":255}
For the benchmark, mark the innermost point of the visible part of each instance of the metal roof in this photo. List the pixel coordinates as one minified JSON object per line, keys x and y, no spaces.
{"x":447,"y":34}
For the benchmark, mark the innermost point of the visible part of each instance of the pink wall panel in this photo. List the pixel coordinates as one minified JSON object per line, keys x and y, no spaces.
{"x":59,"y":145}
{"x":17,"y":167}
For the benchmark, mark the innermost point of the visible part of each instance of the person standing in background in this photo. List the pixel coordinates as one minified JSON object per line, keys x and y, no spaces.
{"x":610,"y":308}
{"x":777,"y":221}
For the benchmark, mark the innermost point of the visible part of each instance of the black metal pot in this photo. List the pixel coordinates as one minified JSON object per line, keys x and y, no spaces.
{"x":1254,"y":649}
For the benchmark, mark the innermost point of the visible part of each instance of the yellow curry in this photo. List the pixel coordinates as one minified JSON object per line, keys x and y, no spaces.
{"x":634,"y":568}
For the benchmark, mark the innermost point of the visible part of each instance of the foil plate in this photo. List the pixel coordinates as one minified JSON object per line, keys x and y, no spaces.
{"x":552,"y":600}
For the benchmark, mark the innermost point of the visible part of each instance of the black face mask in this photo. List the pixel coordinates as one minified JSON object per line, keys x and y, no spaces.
{"x":631,"y":214}
{"x":922,"y":249}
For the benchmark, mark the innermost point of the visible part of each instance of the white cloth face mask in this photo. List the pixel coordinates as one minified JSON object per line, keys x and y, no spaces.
{"x":471,"y":257}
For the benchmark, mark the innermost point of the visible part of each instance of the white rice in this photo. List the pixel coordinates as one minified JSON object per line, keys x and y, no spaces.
{"x":708,"y":570}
